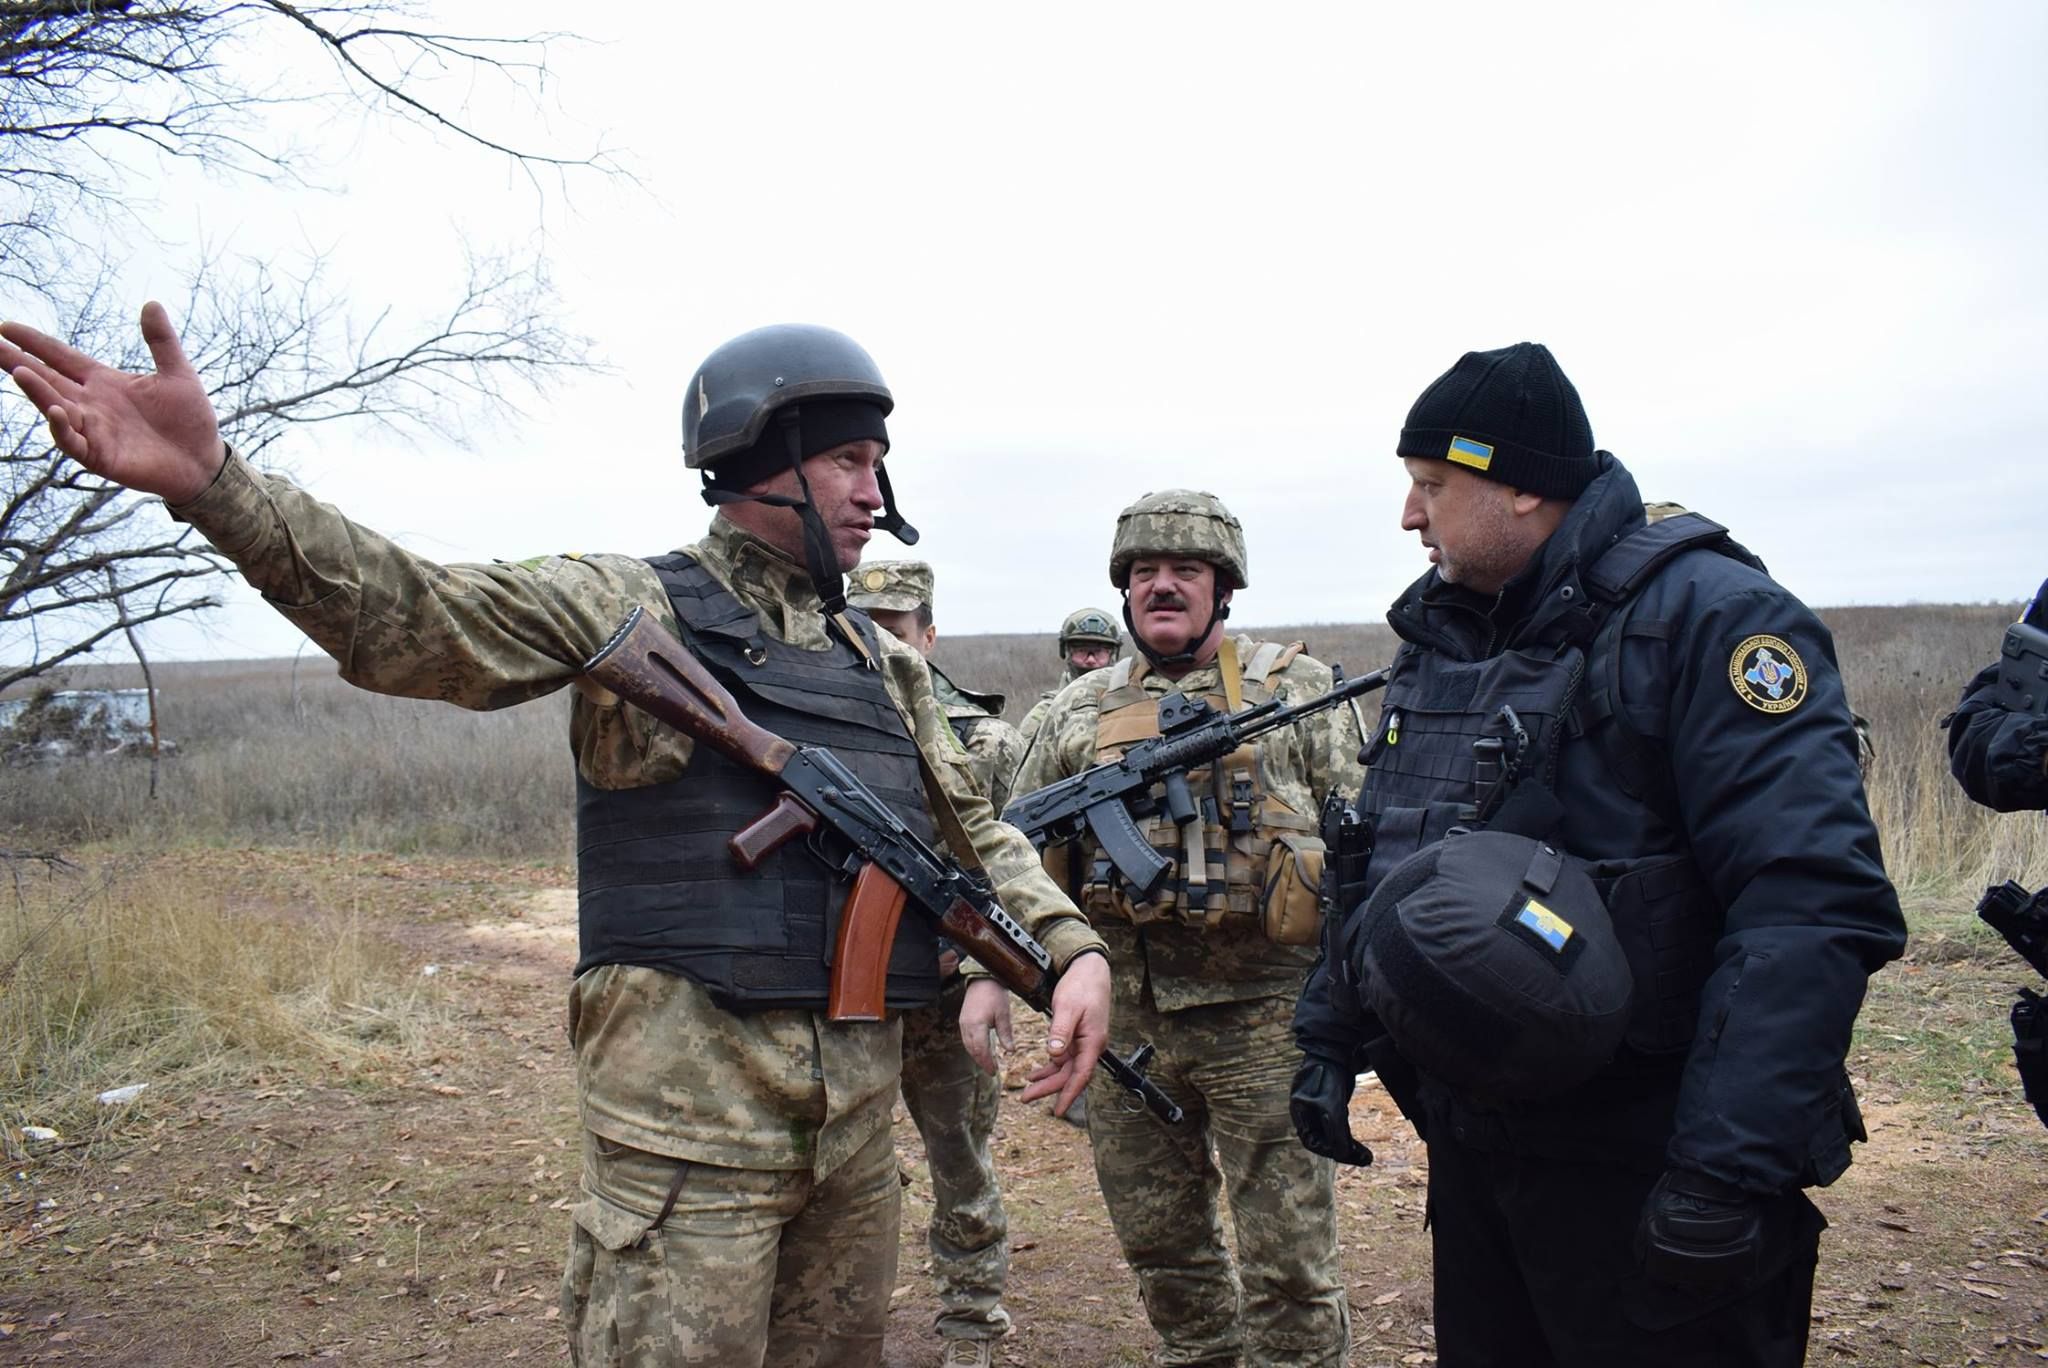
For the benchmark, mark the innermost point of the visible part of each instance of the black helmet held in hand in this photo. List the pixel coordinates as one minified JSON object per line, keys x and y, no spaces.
{"x":1491,"y":961}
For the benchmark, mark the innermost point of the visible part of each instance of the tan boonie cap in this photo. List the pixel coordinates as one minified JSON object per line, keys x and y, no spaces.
{"x":894,"y":586}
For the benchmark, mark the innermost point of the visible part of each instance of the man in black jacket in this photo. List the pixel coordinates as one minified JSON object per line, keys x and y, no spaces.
{"x":1686,"y":738}
{"x":2000,"y":754}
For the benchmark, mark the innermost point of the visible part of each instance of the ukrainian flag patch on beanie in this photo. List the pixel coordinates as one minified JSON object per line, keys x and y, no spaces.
{"x":1467,"y":452}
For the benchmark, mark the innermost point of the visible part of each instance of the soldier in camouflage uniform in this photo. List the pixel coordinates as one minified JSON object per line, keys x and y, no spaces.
{"x":1088,"y":640}
{"x":740,"y":1188}
{"x":898,"y":596}
{"x":1209,"y":972}
{"x":952,"y":1102}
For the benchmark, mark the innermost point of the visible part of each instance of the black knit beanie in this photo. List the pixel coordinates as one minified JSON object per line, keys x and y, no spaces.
{"x":825,"y":423}
{"x":1510,"y":415}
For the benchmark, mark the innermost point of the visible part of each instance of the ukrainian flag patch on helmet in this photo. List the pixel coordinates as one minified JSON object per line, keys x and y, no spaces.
{"x":1541,"y":929}
{"x":1552,"y":929}
{"x":1467,"y":452}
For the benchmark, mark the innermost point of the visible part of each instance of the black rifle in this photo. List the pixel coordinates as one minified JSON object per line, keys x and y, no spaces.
{"x":2023,"y":661}
{"x":2022,"y":918}
{"x":853,"y":832}
{"x":1104,"y":802}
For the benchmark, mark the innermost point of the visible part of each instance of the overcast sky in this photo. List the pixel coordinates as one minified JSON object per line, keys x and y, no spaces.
{"x":1791,"y":255}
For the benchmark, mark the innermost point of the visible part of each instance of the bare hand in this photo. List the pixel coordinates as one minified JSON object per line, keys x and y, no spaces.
{"x":985,"y":1008}
{"x":154,"y":433}
{"x":1078,"y":1035}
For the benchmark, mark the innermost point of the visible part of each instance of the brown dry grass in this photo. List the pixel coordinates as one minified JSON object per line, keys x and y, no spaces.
{"x":410,"y":1206}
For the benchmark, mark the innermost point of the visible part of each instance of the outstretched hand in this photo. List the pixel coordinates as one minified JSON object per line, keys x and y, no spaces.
{"x":1078,"y":1035}
{"x":154,"y":433}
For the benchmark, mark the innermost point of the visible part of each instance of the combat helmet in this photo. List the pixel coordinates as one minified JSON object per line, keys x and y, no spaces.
{"x":768,"y":399}
{"x":1179,"y":522}
{"x":1090,"y":627}
{"x":1492,"y":962}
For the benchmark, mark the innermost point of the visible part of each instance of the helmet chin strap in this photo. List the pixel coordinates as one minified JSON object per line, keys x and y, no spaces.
{"x":821,"y":560}
{"x":1179,"y":660}
{"x":889,"y":520}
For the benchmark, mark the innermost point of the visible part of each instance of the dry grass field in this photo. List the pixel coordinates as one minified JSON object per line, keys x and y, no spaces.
{"x":335,"y":944}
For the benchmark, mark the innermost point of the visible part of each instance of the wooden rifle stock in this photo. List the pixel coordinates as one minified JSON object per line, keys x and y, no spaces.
{"x":654,"y":672}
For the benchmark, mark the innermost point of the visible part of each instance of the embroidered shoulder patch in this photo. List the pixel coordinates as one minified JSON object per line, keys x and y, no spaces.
{"x":1768,"y":674}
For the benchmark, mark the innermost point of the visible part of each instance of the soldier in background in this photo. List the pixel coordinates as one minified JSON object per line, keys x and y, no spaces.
{"x":1209,"y":971}
{"x":1089,"y":640}
{"x":952,"y":1102}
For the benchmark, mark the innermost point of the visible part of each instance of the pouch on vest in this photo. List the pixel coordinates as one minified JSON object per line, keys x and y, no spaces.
{"x":1221,"y":860}
{"x":1667,"y":923}
{"x":1292,"y":903}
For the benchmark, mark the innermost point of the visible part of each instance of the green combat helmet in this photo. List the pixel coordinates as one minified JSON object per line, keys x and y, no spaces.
{"x":1090,"y":627}
{"x":891,"y":586}
{"x":1180,"y":522}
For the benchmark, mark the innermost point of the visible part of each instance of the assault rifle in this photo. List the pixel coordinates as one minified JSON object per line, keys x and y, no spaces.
{"x":1105,"y":801}
{"x":851,"y":831}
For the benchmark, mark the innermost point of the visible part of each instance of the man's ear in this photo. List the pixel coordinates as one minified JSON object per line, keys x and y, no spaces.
{"x":1525,"y":502}
{"x":931,"y":639}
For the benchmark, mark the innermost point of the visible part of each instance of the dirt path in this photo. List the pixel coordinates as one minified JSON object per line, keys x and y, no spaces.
{"x":414,"y":1213}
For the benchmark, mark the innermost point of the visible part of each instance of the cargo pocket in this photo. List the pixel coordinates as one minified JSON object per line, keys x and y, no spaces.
{"x":1292,"y":901}
{"x":614,"y":1290}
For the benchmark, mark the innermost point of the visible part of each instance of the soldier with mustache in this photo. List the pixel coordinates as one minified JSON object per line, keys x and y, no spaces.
{"x":1209,"y":967}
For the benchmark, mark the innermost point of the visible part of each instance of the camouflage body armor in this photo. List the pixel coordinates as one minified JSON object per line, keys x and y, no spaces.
{"x":1221,"y":861}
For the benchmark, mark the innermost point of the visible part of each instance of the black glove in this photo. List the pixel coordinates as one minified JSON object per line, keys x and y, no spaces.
{"x":1700,"y":1232}
{"x":1319,"y":1108}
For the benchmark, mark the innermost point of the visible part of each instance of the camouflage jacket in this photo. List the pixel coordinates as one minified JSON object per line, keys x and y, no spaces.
{"x":659,"y":1066}
{"x":1187,"y":966}
{"x":994,"y":748}
{"x":1035,"y":718}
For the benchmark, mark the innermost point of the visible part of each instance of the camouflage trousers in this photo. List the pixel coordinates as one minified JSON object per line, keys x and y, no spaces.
{"x":953,"y":1104}
{"x":755,"y":1268}
{"x":1230,"y":1066}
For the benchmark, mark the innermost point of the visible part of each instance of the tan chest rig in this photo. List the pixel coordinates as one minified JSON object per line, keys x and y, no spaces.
{"x":1223,"y":862}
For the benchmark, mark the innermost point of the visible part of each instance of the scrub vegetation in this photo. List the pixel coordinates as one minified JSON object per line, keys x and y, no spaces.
{"x":334,"y":946}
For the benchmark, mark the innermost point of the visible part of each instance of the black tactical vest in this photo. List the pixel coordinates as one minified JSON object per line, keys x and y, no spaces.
{"x":656,"y":886}
{"x":1420,"y":776}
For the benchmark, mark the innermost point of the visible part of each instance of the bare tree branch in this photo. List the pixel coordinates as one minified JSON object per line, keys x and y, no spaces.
{"x":89,"y":86}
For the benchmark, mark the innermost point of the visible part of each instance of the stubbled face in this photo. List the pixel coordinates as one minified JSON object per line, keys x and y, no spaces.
{"x":1467,"y":522}
{"x":1171,"y":600}
{"x":1085,"y":656}
{"x":846,"y":489}
{"x":903,"y":626}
